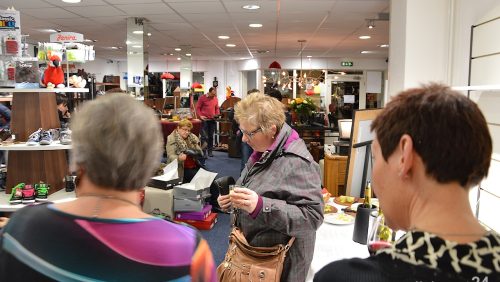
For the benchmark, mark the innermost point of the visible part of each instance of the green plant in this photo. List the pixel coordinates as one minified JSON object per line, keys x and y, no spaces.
{"x":303,"y":106}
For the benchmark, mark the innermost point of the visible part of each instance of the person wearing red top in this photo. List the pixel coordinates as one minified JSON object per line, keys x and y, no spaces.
{"x":207,"y":109}
{"x":184,"y":146}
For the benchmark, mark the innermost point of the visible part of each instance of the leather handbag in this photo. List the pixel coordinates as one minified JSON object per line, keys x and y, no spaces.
{"x":246,"y":263}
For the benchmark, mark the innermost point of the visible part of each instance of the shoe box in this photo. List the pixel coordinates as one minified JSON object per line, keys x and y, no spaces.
{"x":191,"y":191}
{"x":164,"y":184}
{"x":201,"y":215}
{"x":160,"y":199}
{"x":206,"y":224}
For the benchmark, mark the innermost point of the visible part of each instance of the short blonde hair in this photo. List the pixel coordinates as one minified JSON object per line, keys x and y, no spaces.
{"x":260,"y":110}
{"x":118,"y":141}
{"x":185,"y":123}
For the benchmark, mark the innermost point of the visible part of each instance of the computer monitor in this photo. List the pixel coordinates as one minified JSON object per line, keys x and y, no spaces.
{"x":345,"y":126}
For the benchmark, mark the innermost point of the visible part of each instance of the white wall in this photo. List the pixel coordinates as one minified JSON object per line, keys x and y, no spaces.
{"x":101,"y":67}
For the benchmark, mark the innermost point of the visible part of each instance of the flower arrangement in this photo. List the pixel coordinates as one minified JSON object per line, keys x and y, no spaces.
{"x":303,"y":106}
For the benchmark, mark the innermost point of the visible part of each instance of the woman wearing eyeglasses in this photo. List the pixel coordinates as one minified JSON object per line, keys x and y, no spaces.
{"x":185,"y":147}
{"x":282,"y":194}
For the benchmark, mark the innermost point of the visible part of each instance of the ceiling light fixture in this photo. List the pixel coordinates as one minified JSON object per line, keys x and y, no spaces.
{"x":365,"y":37}
{"x":114,"y":47}
{"x":189,"y":55}
{"x":149,"y":34}
{"x":223,"y":37}
{"x":230,"y":45}
{"x":72,"y":1}
{"x":251,"y":7}
{"x":370,"y":23}
{"x":170,"y":54}
{"x":137,"y":32}
{"x":137,"y":46}
{"x":128,"y":42}
{"x":178,"y":59}
{"x":309,"y":56}
{"x":178,"y":49}
{"x":384,"y":46}
{"x":367,"y":52}
{"x":255,"y":25}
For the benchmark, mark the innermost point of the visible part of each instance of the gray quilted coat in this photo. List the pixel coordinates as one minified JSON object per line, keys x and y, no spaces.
{"x":289,"y":182}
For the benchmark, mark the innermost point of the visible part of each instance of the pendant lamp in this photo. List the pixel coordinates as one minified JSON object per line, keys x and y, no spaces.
{"x":275,"y":65}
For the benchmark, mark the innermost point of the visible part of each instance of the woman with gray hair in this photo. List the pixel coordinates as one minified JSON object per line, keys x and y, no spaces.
{"x":281,"y":197}
{"x":117,"y":145}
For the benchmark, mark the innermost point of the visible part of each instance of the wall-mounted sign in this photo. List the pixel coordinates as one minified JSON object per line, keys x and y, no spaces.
{"x":346,"y":64}
{"x":66,"y":37}
{"x":9,"y":20}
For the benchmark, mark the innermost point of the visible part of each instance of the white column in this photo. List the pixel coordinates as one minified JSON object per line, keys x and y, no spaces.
{"x":137,"y":54}
{"x":419,"y":43}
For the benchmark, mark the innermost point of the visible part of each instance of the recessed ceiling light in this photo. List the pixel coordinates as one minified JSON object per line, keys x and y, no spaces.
{"x":255,"y":25}
{"x":114,"y":47}
{"x":223,"y":37}
{"x":366,"y":52}
{"x":178,"y":59}
{"x":177,"y":49}
{"x":137,"y":46}
{"x":365,"y":37}
{"x":149,"y":33}
{"x":384,"y":46}
{"x":128,"y":42}
{"x":230,"y":45}
{"x":137,"y":32}
{"x":170,"y":54}
{"x":243,"y":58}
{"x":251,"y":7}
{"x":87,"y":40}
{"x":48,"y":30}
{"x":189,"y":55}
{"x":72,"y":1}
{"x":309,"y":56}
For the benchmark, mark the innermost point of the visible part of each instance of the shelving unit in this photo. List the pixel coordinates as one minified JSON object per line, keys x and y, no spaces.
{"x":33,"y":109}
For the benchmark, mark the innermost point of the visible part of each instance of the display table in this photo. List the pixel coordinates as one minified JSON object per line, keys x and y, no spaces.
{"x":57,"y":197}
{"x":334,"y":242}
{"x":334,"y":174}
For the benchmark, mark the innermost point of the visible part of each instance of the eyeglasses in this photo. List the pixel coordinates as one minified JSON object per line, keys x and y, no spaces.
{"x":252,"y":133}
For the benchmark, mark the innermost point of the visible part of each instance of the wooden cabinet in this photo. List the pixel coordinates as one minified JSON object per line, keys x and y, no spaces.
{"x":314,"y":137}
{"x":335,"y":174}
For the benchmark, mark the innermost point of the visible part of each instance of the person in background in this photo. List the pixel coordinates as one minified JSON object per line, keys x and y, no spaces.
{"x":432,"y":145}
{"x":62,"y":109}
{"x":105,"y":231}
{"x":246,"y":150}
{"x":207,"y":108}
{"x":5,"y":116}
{"x":275,"y":93}
{"x":282,"y":194}
{"x":183,"y":146}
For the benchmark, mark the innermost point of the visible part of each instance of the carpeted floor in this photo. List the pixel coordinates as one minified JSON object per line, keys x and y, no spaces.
{"x":217,"y":238}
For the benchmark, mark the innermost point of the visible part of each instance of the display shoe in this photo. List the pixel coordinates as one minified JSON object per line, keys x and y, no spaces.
{"x":42,"y":192}
{"x":28,"y":194}
{"x":5,"y":134}
{"x":16,"y":196}
{"x":45,"y":137}
{"x":65,"y":137}
{"x":34,"y":138}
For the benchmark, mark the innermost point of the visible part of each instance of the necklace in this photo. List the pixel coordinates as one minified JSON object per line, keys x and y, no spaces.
{"x":97,"y":207}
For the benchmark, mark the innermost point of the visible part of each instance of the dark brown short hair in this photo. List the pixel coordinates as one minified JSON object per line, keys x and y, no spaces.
{"x":448,"y":130}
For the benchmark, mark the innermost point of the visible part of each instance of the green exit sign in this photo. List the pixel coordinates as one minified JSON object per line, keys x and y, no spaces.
{"x":346,"y":64}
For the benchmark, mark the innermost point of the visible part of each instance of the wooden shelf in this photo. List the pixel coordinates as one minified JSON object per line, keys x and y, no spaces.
{"x":23,"y":147}
{"x":43,"y":90}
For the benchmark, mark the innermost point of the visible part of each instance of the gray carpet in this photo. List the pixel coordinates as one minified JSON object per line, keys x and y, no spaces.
{"x":217,"y":238}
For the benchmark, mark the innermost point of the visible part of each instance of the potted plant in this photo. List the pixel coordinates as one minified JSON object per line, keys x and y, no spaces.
{"x":304,"y":108}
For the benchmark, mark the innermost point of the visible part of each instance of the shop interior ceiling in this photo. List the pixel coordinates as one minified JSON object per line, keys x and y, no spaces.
{"x":331,"y":27}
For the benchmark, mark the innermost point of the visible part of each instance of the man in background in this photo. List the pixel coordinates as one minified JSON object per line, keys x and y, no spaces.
{"x":207,"y":109}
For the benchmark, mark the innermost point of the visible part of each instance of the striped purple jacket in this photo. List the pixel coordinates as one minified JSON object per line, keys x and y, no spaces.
{"x":288,"y":180}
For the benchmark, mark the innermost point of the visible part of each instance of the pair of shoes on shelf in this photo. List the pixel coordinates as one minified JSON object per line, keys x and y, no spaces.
{"x":42,"y":137}
{"x":27,"y":194}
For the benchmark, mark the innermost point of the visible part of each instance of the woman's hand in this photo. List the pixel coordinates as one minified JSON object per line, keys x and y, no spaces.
{"x":245,"y":199}
{"x":224,"y":202}
{"x":3,"y":221}
{"x":182,"y":157}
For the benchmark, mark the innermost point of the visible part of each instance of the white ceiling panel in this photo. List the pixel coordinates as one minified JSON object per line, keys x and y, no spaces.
{"x":96,"y":11}
{"x":60,"y":3}
{"x":48,"y":13}
{"x":189,"y":22}
{"x":144,"y":10}
{"x":186,"y":7}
